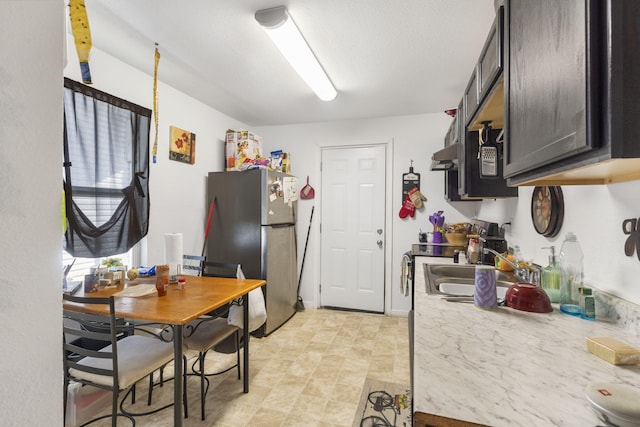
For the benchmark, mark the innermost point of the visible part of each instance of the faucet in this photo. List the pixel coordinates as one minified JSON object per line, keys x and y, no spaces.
{"x":527,"y":273}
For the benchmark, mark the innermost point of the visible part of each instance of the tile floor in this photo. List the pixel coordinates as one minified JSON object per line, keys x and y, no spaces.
{"x":310,"y":372}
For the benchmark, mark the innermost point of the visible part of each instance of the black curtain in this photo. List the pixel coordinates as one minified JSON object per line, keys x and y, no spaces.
{"x":106,"y":172}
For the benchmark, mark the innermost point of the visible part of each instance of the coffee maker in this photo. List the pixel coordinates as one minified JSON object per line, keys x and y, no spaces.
{"x":498,"y":244}
{"x":490,"y":236}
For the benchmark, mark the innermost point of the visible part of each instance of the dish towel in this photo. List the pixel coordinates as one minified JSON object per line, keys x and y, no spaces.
{"x":257,"y":308}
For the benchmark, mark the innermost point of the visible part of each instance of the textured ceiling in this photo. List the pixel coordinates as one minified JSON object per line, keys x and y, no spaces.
{"x":385,"y":57}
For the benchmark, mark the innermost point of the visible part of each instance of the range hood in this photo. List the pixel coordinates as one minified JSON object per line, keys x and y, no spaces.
{"x":445,"y":159}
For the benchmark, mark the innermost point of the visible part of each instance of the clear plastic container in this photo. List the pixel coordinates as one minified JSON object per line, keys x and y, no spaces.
{"x":571,"y":257}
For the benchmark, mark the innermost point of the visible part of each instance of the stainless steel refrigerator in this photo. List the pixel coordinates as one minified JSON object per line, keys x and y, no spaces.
{"x":253,"y":223}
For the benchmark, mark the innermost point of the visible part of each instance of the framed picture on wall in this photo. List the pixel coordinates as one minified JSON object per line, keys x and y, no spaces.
{"x":182,"y":145}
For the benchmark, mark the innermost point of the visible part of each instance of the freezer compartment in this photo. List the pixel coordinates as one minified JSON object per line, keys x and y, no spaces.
{"x":277,"y":189}
{"x":251,"y":197}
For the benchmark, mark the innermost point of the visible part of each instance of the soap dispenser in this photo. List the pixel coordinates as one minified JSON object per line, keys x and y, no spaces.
{"x":551,"y":276}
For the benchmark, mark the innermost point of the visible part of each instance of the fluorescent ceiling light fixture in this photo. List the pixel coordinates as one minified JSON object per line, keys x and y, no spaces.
{"x":285,"y":34}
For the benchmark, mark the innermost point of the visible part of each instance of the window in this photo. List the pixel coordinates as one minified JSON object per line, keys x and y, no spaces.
{"x":106,"y":171}
{"x":82,"y":266}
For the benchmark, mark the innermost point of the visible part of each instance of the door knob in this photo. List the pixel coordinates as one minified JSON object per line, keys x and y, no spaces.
{"x":379,"y":242}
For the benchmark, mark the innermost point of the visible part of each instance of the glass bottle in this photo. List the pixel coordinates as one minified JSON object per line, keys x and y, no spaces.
{"x":162,"y":279}
{"x":518,"y":258}
{"x":571,"y":258}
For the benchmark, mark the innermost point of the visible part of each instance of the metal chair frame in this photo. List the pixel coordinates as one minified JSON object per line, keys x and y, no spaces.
{"x":215,"y":269}
{"x":207,"y":269}
{"x":111,"y":331}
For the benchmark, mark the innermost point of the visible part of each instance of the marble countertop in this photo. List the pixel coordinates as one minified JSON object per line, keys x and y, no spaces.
{"x":505,"y":367}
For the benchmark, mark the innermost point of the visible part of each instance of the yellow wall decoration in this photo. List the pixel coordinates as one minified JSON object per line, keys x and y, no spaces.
{"x":81,"y":35}
{"x":154,"y":149}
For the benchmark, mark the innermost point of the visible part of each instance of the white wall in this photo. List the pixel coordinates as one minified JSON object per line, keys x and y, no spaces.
{"x":31,"y":64}
{"x":177,"y":190}
{"x":30,"y":219}
{"x":413,"y":138}
{"x":178,"y":201}
{"x":595,"y":214}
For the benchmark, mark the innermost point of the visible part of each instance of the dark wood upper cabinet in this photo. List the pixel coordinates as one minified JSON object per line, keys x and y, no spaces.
{"x":471,"y":185}
{"x":471,"y":97}
{"x":572,"y":91}
{"x":485,"y":75}
{"x":491,"y":61}
{"x":482,"y":101}
{"x":487,"y":106}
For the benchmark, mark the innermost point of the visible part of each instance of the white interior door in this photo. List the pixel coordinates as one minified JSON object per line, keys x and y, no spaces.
{"x":353,"y":228}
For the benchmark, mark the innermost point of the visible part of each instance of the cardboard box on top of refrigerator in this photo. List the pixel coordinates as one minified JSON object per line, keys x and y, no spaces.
{"x":242,"y":147}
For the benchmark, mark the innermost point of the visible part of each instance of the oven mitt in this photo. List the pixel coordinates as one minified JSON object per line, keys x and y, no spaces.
{"x":416,"y":197}
{"x":408,"y":208}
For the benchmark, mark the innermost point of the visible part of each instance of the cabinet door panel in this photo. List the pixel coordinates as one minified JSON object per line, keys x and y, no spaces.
{"x":471,"y":98}
{"x":548,"y":72}
{"x":490,"y":63}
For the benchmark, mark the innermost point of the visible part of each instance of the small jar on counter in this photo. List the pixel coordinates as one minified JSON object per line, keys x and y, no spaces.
{"x":587,"y":304}
{"x":459,"y":257}
{"x":162,"y":279}
{"x":473,"y":251}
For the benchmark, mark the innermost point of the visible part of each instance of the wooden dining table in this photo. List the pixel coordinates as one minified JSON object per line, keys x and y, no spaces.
{"x":200,"y":295}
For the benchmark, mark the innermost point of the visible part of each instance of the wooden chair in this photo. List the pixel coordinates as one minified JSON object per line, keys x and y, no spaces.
{"x":120,"y":364}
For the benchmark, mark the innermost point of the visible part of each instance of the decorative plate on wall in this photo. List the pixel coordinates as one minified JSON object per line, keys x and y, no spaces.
{"x":547,"y":210}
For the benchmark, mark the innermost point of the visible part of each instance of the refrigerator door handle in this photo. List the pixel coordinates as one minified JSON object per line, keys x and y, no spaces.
{"x":280,"y":225}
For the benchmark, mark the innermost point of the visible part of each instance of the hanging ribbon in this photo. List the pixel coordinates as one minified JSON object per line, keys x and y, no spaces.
{"x":154,"y":150}
{"x":81,"y":35}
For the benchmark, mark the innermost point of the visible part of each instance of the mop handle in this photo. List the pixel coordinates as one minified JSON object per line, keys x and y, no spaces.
{"x":206,"y":230}
{"x":304,"y":255}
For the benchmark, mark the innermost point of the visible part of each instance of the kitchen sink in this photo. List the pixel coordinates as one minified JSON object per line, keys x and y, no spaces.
{"x":458,"y":280}
{"x":466,"y":290}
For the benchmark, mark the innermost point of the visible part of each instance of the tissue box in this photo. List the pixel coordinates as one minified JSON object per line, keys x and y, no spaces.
{"x":613,"y":351}
{"x":241,"y":146}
